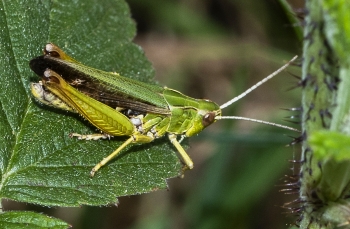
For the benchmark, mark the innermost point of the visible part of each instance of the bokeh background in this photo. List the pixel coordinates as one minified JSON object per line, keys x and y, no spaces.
{"x":216,"y":49}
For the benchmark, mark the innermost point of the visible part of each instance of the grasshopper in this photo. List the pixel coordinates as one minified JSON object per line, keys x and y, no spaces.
{"x":120,"y":106}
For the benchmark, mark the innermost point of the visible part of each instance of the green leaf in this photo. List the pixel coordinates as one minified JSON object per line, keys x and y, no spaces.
{"x":40,"y":163}
{"x":32,"y":220}
{"x":337,"y":28}
{"x":332,"y":149}
{"x":330,"y":145}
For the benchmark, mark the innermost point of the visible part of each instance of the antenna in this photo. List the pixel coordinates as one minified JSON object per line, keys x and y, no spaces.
{"x":257,"y":84}
{"x":252,"y":89}
{"x":257,"y":120}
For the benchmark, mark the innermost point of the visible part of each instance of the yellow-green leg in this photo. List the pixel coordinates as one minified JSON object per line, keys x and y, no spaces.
{"x":89,"y":136}
{"x":186,"y":159}
{"x":111,"y":156}
{"x":137,"y":138}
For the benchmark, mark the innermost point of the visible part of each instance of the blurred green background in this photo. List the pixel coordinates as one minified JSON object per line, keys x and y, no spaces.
{"x":216,"y":49}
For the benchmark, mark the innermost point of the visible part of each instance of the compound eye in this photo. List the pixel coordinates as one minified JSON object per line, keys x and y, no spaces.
{"x":208,"y":119}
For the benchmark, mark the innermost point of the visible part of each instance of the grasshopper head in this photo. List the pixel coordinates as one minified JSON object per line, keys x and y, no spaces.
{"x":207,"y":114}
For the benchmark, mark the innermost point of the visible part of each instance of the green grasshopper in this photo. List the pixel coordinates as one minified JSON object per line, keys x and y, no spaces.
{"x":120,"y":106}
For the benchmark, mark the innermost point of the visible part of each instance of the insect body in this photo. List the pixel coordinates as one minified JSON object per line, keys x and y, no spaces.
{"x":120,"y":106}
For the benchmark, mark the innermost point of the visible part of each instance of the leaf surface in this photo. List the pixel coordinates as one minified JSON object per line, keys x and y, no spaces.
{"x":20,"y":219}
